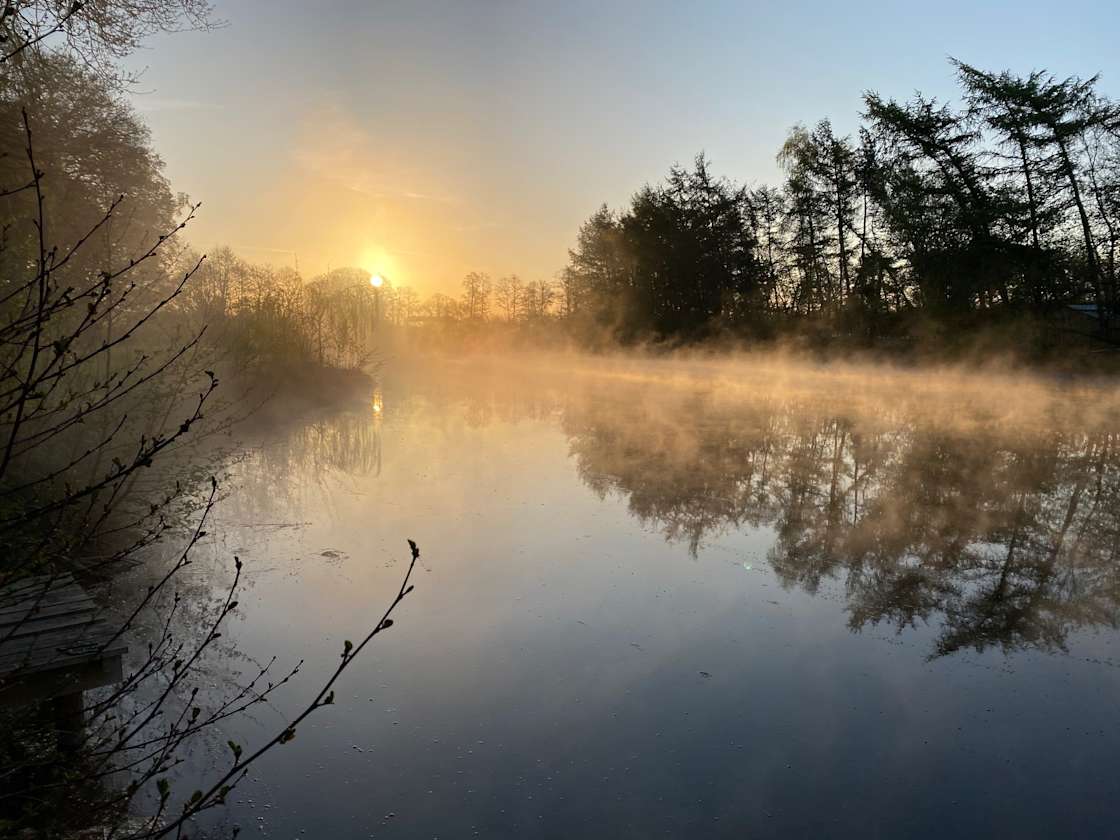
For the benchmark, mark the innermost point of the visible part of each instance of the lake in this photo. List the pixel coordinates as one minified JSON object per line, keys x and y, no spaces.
{"x":692,"y":598}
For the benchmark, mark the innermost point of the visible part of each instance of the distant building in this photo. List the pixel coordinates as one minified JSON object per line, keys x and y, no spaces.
{"x":1083,"y":319}
{"x":1089,"y":309}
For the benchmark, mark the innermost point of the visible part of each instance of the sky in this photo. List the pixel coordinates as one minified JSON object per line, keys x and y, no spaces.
{"x":423,"y":140}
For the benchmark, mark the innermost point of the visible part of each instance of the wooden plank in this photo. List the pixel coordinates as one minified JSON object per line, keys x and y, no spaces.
{"x":32,"y":586}
{"x":58,"y":636}
{"x":21,"y":615}
{"x":15,"y":616}
{"x":49,"y":624}
{"x":80,"y":676}
{"x":26,"y":587}
{"x":44,"y":597}
{"x":44,"y":592}
{"x":30,"y":601}
{"x":14,"y":667}
{"x":45,"y":655}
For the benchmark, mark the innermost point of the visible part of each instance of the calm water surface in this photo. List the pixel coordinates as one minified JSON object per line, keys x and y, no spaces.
{"x":657,"y":603}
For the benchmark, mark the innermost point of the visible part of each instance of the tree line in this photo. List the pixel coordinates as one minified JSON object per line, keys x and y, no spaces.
{"x":1008,"y":201}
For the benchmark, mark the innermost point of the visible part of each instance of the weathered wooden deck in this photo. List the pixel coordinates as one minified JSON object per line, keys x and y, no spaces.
{"x":53,"y":641}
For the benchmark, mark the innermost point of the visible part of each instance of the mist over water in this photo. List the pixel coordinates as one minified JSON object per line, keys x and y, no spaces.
{"x":690,"y":597}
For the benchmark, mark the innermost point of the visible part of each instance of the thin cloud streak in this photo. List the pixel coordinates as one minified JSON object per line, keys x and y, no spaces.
{"x":164,"y":104}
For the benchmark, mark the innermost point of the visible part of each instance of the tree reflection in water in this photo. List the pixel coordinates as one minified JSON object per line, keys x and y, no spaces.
{"x":1004,"y":537}
{"x":999,"y":524}
{"x":280,"y":472}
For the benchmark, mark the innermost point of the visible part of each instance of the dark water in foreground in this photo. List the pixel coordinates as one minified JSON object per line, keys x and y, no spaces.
{"x":652,"y":605}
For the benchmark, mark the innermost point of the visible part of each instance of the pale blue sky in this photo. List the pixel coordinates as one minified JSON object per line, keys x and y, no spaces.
{"x":427,"y":139}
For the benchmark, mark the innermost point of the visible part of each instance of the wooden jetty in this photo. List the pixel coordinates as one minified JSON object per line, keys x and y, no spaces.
{"x":54,"y":646}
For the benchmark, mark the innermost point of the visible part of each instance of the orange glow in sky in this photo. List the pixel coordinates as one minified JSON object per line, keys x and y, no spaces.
{"x":426,"y":140}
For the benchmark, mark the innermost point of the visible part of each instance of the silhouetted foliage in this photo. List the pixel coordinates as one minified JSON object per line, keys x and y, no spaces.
{"x":95,"y":32}
{"x":679,"y":258}
{"x":1009,"y":203}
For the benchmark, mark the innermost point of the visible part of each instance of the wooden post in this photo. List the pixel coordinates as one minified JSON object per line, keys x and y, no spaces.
{"x":69,"y":720}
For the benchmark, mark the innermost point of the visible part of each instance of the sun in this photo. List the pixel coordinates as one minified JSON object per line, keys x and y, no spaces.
{"x":378,"y":262}
{"x":376,"y":280}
